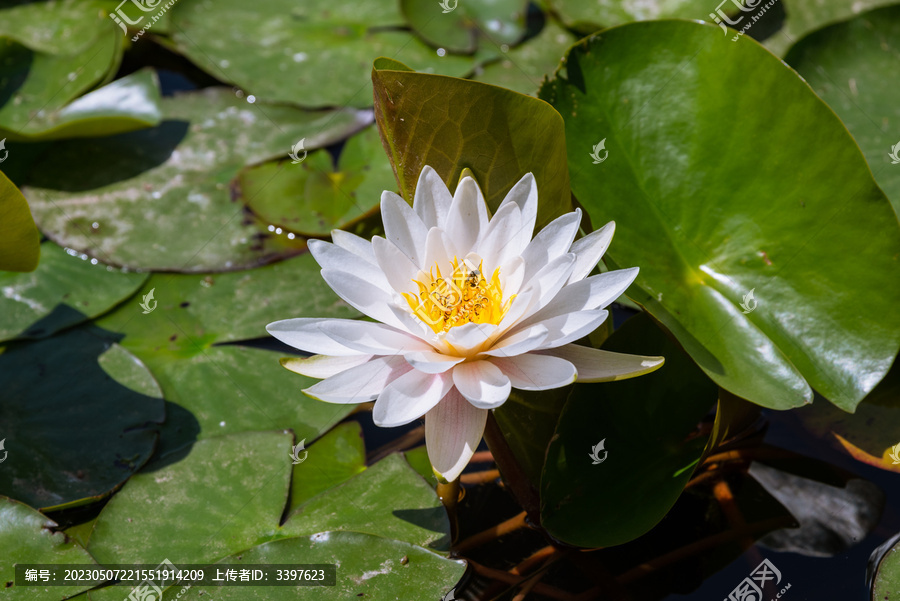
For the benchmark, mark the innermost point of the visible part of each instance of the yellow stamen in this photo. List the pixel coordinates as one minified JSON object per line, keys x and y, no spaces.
{"x":463,"y":297}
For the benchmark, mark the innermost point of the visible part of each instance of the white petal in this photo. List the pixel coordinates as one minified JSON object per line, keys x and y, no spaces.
{"x":590,"y":249}
{"x":525,"y":195}
{"x":307,"y":335}
{"x":547,"y":283}
{"x":551,"y":242}
{"x":511,"y":276}
{"x":468,"y":336}
{"x":436,"y":252}
{"x":536,"y":372}
{"x":409,"y":397}
{"x":569,"y":327}
{"x":468,"y":217}
{"x":360,"y":247}
{"x":482,"y":383}
{"x":403,"y":227}
{"x":453,"y":430}
{"x":497,"y":243}
{"x":364,"y":297}
{"x":432,"y":200}
{"x":595,"y":365}
{"x":397,"y":267}
{"x":360,"y":384}
{"x":432,"y":362}
{"x":323,"y":366}
{"x":595,"y":292}
{"x":521,"y":342}
{"x":331,"y":256}
{"x":372,"y":338}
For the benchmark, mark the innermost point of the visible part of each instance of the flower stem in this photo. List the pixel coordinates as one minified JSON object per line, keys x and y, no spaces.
{"x":449,"y":493}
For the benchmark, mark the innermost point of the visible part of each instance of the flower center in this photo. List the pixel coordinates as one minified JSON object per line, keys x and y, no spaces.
{"x":463,"y":297}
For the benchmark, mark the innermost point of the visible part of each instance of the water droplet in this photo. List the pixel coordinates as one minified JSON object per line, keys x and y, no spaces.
{"x":299,"y":57}
{"x":291,"y":236}
{"x":251,"y":98}
{"x":95,"y":225}
{"x":94,"y":261}
{"x":441,"y":52}
{"x":278,"y":230}
{"x":224,"y":63}
{"x":271,"y":228}
{"x":222,"y":424}
{"x":504,"y":48}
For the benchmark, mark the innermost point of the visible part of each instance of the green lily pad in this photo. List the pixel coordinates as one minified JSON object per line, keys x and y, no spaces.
{"x":124,"y":105}
{"x":454,"y":124}
{"x":886,"y":584}
{"x":806,"y":16}
{"x":313,"y":198}
{"x":55,"y":26}
{"x":161,"y":197}
{"x":226,"y":495}
{"x":73,"y":432}
{"x":26,"y":537}
{"x":459,"y":26}
{"x":305,"y":54}
{"x":733,"y":265}
{"x":388,"y":499}
{"x":63,"y":291}
{"x":369,"y":567}
{"x":853,"y":66}
{"x":36,"y":85}
{"x":20,"y":241}
{"x":225,"y":389}
{"x":647,"y":426}
{"x":591,"y":15}
{"x":523,"y":68}
{"x":332,"y":460}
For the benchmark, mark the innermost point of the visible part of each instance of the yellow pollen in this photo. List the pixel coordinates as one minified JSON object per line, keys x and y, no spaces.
{"x":463,"y":297}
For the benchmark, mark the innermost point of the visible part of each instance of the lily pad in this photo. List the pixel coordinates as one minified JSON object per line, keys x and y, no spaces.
{"x":388,"y":499}
{"x":26,"y":537}
{"x":332,"y":460}
{"x":887,"y":577}
{"x":73,"y":432}
{"x":307,"y":54}
{"x":454,"y":124}
{"x":126,"y":104}
{"x":226,"y":495}
{"x":523,"y":68}
{"x":36,"y":84}
{"x":226,"y":389}
{"x":161,"y":197}
{"x":460,"y":25}
{"x":806,"y":16}
{"x":591,"y":15}
{"x":63,"y":291}
{"x":19,"y":238}
{"x":313,"y":198}
{"x":369,"y":567}
{"x":732,"y":265}
{"x":624,"y":451}
{"x":854,"y":67}
{"x":55,"y":26}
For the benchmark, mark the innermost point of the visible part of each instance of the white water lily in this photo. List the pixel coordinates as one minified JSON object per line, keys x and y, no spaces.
{"x":468,"y":307}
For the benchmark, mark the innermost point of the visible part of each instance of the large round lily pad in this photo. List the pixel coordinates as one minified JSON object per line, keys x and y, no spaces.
{"x":759,"y":274}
